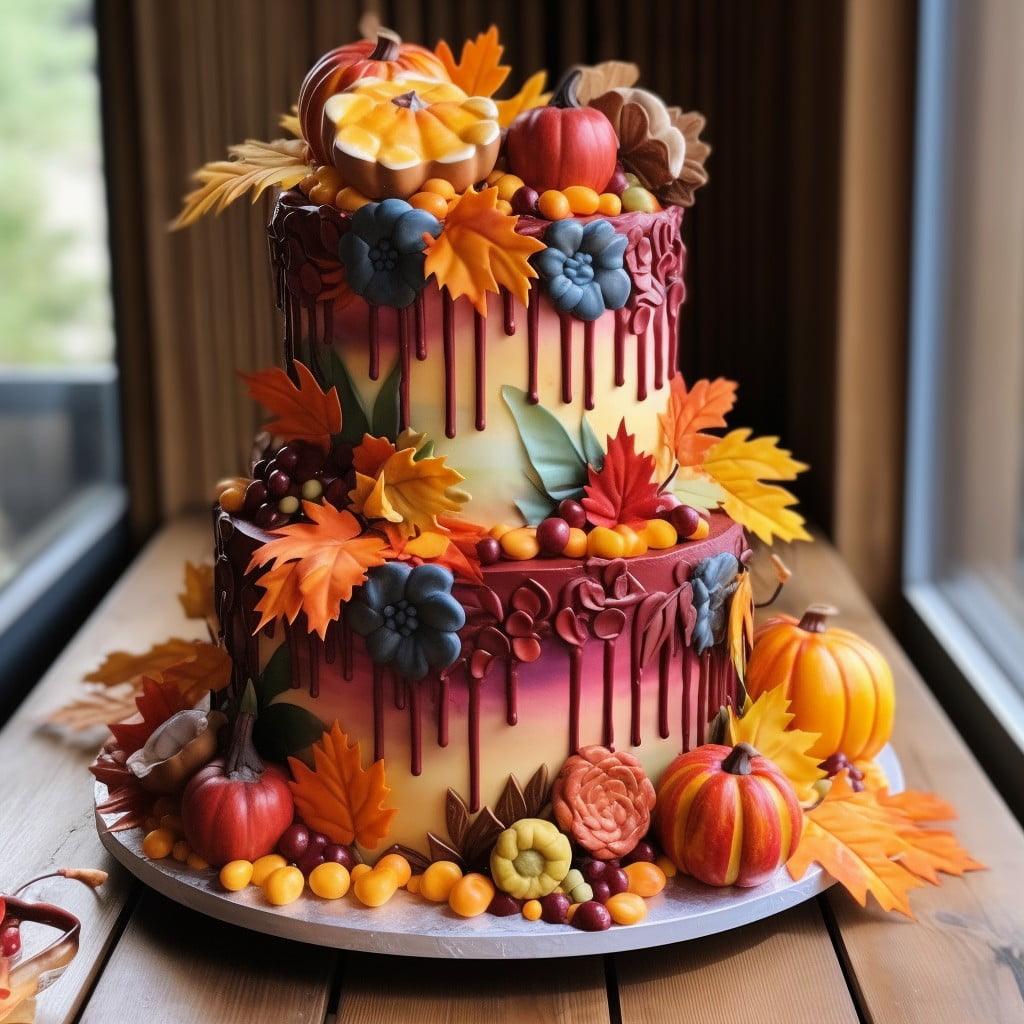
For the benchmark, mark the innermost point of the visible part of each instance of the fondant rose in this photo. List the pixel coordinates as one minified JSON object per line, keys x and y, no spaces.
{"x":582,"y":266}
{"x":604,"y":800}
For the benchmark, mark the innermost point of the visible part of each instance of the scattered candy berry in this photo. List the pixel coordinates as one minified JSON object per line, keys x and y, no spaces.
{"x":284,"y":885}
{"x":330,"y":880}
{"x":236,"y":875}
{"x":398,"y":864}
{"x":645,"y":878}
{"x":437,"y":882}
{"x":532,"y":910}
{"x":159,"y":843}
{"x":591,"y":917}
{"x":375,"y":887}
{"x":265,"y":866}
{"x":626,"y":908}
{"x":471,"y":895}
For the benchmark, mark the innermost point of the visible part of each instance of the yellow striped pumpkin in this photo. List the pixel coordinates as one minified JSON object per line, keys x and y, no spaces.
{"x":727,"y":816}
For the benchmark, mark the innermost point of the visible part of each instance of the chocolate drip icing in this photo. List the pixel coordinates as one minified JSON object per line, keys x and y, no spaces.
{"x":588,"y":364}
{"x":533,"y":349}
{"x":664,"y":663}
{"x":420,"y":313}
{"x":373,"y":336}
{"x":378,"y":712}
{"x":473,"y":742}
{"x":443,"y":711}
{"x":607,"y":721}
{"x":415,"y":728}
{"x":565,"y":322}
{"x":575,"y":669}
{"x":511,"y":693}
{"x":480,"y":362}
{"x":620,"y":348}
{"x":508,"y":313}
{"x":448,"y":337}
{"x":405,"y":360}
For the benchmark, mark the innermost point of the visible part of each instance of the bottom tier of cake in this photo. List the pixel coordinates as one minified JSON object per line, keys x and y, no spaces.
{"x":556,"y":654}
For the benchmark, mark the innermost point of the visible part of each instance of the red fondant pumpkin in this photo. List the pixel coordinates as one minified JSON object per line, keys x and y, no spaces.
{"x":838,"y":684}
{"x":336,"y":70}
{"x":727,"y":817}
{"x":562,"y":144}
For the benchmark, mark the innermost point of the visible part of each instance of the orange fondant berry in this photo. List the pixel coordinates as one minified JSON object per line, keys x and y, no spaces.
{"x":553,"y":205}
{"x":439,"y":186}
{"x":645,"y":879}
{"x":626,"y":908}
{"x":437,"y":881}
{"x":374,"y":888}
{"x":520,"y":544}
{"x":284,"y":885}
{"x":359,"y":869}
{"x":232,"y":498}
{"x":703,"y":529}
{"x":159,"y":843}
{"x":330,"y":880}
{"x":397,"y":863}
{"x":667,"y":866}
{"x":576,"y":546}
{"x":503,"y":206}
{"x":582,"y":200}
{"x":609,"y":204}
{"x":508,"y":186}
{"x":430,"y":202}
{"x":471,"y":895}
{"x":350,"y":199}
{"x":605,"y":543}
{"x":635,"y":544}
{"x":532,"y":910}
{"x":236,"y":875}
{"x":659,"y":534}
{"x":264,"y":867}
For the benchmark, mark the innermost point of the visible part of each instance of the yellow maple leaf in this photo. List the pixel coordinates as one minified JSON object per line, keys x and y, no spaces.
{"x":479,"y":251}
{"x":697,"y":489}
{"x":531,"y":95}
{"x":477,"y":72}
{"x":303,"y":411}
{"x":765,"y":725}
{"x":254,"y":167}
{"x":870,"y":846}
{"x":317,"y":565}
{"x":338,"y":796}
{"x":197,"y":599}
{"x":739,"y":465}
{"x":741,"y":624}
{"x":409,"y":492}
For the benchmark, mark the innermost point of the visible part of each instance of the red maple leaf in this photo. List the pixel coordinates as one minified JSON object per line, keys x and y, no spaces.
{"x":157,"y":702}
{"x":624,"y":490}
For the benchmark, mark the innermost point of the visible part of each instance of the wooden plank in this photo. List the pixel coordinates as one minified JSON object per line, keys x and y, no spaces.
{"x":781,"y":968}
{"x":962,"y":959}
{"x":382,"y":990}
{"x":174,"y":966}
{"x":46,"y":816}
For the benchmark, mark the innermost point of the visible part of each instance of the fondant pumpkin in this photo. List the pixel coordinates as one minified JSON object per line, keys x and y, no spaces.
{"x":342,"y":67}
{"x":838,"y":684}
{"x":562,"y":144}
{"x":727,"y":816}
{"x":388,"y":137}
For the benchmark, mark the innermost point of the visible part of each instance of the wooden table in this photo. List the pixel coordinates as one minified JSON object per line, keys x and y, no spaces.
{"x":146,"y":959}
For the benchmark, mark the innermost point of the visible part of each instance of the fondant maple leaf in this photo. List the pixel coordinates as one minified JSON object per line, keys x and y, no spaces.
{"x":254,"y":166}
{"x":765,"y":725}
{"x":452,"y":544}
{"x":197,"y":599}
{"x":623,"y":490}
{"x":317,"y":564}
{"x":479,"y":251}
{"x":531,"y":95}
{"x":157,"y":702}
{"x":741,"y":624}
{"x":690,"y":412}
{"x":304,"y":412}
{"x":477,"y":72}
{"x":338,"y":796}
{"x":409,"y":492}
{"x":124,"y":667}
{"x":870,"y":842}
{"x":739,"y":465}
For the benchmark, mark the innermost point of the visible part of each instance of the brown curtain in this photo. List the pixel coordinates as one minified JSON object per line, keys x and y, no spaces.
{"x":184,"y":79}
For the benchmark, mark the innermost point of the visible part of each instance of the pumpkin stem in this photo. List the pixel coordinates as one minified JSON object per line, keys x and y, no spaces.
{"x":244,"y":763}
{"x":782,"y":576}
{"x":565,"y":95}
{"x":737,"y":762}
{"x":815,"y":619}
{"x":388,"y":45}
{"x":410,"y":100}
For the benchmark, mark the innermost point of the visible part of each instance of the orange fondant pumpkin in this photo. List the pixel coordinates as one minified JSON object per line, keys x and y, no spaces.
{"x":344,"y":66}
{"x":388,"y":137}
{"x":838,"y":684}
{"x":727,"y":817}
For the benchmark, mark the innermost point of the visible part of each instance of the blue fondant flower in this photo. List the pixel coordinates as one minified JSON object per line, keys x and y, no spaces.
{"x":383,"y":251}
{"x":582,"y":266}
{"x":408,"y":616}
{"x":713,"y":580}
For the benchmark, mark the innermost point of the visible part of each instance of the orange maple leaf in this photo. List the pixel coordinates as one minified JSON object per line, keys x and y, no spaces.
{"x":479,"y":251}
{"x":477,"y":72}
{"x":317,"y":565}
{"x":123,"y":667}
{"x":531,"y":95}
{"x":303,"y":413}
{"x":197,"y":599}
{"x":338,"y":796}
{"x":208,"y":668}
{"x":874,"y":843}
{"x":370,"y":454}
{"x":703,"y":407}
{"x":741,"y":624}
{"x":452,"y":544}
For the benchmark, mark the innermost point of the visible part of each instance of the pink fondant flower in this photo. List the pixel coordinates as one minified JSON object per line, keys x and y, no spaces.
{"x":603,"y":799}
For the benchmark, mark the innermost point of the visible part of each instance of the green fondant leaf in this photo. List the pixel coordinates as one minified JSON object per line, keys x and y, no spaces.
{"x":285,"y":730}
{"x":559,"y":466}
{"x":592,"y":450}
{"x":385,"y":408}
{"x":276,"y":677}
{"x":535,"y":507}
{"x":426,"y":452}
{"x":354,"y":421}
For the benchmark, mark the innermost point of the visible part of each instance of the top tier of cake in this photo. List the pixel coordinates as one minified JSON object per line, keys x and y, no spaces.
{"x":492,"y":387}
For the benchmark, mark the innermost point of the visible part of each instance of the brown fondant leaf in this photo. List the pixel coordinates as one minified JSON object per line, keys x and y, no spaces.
{"x":123,"y":667}
{"x":601,"y":78}
{"x":440,"y":850}
{"x":537,"y":792}
{"x":680,"y":191}
{"x":481,"y":836}
{"x":338,"y":796}
{"x":456,"y":815}
{"x":511,"y":805}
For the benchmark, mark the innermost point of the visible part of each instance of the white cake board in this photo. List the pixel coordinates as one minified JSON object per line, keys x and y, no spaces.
{"x":409,"y":926}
